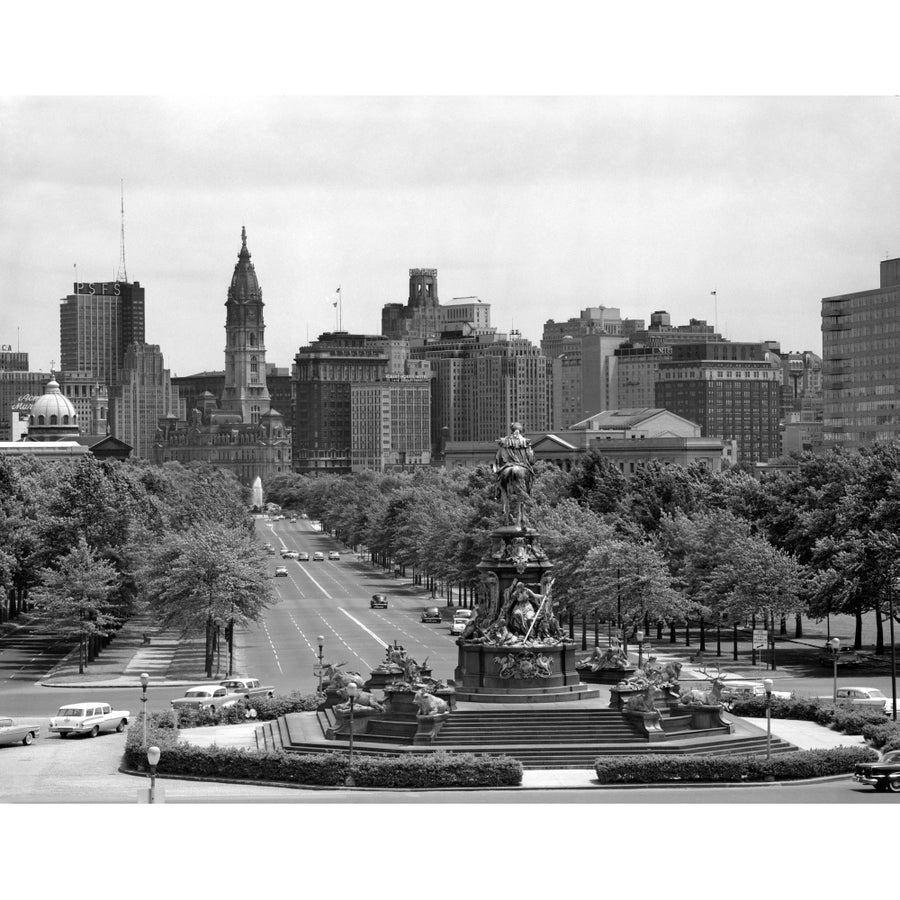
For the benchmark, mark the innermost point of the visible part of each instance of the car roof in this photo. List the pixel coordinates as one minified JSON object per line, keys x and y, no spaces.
{"x":84,"y":705}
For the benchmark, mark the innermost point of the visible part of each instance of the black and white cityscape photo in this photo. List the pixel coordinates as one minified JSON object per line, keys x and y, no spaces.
{"x":459,"y":450}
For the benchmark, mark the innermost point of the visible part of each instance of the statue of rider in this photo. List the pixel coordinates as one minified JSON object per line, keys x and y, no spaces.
{"x":514,"y":455}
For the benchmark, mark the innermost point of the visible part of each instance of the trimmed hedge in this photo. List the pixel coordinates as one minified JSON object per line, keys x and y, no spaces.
{"x":845,"y":717}
{"x":266,"y":708}
{"x":661,"y":769}
{"x":883,"y":735}
{"x":429,"y":770}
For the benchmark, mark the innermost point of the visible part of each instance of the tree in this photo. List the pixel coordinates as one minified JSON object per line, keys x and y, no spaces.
{"x":212,"y":577}
{"x":74,"y":596}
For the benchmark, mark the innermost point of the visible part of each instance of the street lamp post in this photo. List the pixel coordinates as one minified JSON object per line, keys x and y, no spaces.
{"x":145,"y":680}
{"x":893,"y":651}
{"x":321,"y":640}
{"x":153,"y":759}
{"x":640,"y":640}
{"x":767,"y":684}
{"x":352,"y":690}
{"x":835,"y":650}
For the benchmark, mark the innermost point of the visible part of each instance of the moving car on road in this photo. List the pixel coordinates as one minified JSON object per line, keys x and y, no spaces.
{"x":883,"y":775}
{"x":460,"y":620}
{"x":88,"y":718}
{"x":431,"y":614}
{"x":303,"y":556}
{"x":378,"y":601}
{"x":744,"y":690}
{"x":10,"y":733}
{"x":334,"y":555}
{"x":247,"y":687}
{"x":289,"y":554}
{"x":280,"y":570}
{"x":863,"y":696}
{"x":318,"y":556}
{"x":207,"y":696}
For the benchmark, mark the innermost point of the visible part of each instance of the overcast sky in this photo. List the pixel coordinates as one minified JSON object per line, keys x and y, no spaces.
{"x":539,"y":206}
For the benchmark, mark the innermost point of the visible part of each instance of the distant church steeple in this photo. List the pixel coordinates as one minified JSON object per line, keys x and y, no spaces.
{"x":245,"y":351}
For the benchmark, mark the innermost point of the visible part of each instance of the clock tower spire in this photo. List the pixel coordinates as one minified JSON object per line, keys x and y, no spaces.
{"x":245,"y":349}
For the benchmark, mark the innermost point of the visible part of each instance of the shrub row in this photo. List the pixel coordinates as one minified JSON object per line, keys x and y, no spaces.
{"x":266,"y":708}
{"x":414,"y":771}
{"x":883,"y":735}
{"x":845,"y":717}
{"x":659,"y":768}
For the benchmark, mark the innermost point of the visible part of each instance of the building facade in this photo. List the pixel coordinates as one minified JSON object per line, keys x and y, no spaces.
{"x":144,"y":396}
{"x":861,"y":363}
{"x":97,"y":322}
{"x":390,"y":424}
{"x":325,"y":370}
{"x":15,"y":389}
{"x":732,"y":390}
{"x":419,"y":317}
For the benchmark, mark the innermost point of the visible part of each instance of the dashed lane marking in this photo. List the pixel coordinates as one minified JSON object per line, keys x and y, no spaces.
{"x":272,"y":645}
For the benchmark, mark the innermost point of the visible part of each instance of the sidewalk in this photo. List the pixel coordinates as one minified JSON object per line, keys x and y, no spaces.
{"x":169,"y":659}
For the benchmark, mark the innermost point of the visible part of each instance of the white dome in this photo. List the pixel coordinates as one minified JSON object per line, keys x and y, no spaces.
{"x":54,"y":408}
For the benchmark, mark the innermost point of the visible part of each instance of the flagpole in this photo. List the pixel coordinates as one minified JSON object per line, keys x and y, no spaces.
{"x":340,"y":307}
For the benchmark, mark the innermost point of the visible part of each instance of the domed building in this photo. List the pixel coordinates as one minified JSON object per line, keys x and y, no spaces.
{"x":53,"y":416}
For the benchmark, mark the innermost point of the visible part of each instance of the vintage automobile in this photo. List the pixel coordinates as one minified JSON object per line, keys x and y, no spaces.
{"x":11,"y":733}
{"x":247,"y":687}
{"x":378,"y":601}
{"x":88,"y":718}
{"x":883,"y":775}
{"x":460,"y":620}
{"x":271,"y":551}
{"x":280,"y":570}
{"x":303,"y":556}
{"x":857,"y":695}
{"x":289,"y":554}
{"x":431,"y":614}
{"x":846,"y":656}
{"x":334,"y":555}
{"x":207,"y":696}
{"x":318,"y":556}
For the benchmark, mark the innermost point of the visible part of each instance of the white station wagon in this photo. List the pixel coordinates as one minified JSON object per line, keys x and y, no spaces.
{"x":88,"y":718}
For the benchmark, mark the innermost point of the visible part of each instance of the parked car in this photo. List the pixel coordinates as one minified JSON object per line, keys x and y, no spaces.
{"x":846,"y":656}
{"x":303,"y":556}
{"x":334,"y":555}
{"x":88,"y":718}
{"x":10,"y":733}
{"x":378,"y":601}
{"x":431,"y":614}
{"x":883,"y":775}
{"x":318,"y":556}
{"x":280,"y":570}
{"x":247,"y":687}
{"x":460,"y":620}
{"x":207,"y":696}
{"x":862,"y":696}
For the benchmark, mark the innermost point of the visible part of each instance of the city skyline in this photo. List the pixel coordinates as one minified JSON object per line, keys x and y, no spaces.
{"x":539,"y":206}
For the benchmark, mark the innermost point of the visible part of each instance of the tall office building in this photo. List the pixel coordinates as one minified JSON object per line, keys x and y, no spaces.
{"x":861,"y":363}
{"x":390,"y":424}
{"x":90,"y":398}
{"x":420,"y":316}
{"x":12,"y":360}
{"x":732,"y":390}
{"x":144,"y":396}
{"x":98,"y":321}
{"x":482,"y":383}
{"x":16,"y":387}
{"x":325,"y":370}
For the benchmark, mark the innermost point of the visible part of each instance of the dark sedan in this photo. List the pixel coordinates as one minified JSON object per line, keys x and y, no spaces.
{"x":883,"y":775}
{"x":431,"y":614}
{"x":378,"y":601}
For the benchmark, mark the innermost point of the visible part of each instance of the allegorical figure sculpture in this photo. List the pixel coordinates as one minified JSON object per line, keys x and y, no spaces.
{"x":514,"y":471}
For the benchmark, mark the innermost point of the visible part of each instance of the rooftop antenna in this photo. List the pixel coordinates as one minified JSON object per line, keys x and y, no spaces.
{"x":122,"y":274}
